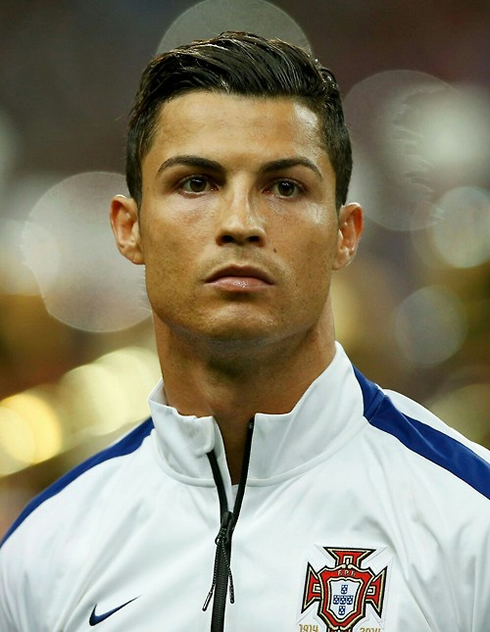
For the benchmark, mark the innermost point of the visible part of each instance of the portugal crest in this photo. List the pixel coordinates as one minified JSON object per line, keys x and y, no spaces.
{"x":342,"y":593}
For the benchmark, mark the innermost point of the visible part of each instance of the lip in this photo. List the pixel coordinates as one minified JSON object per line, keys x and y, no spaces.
{"x":243,"y":272}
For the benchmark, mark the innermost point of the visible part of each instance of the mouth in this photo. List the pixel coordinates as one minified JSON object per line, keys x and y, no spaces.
{"x":240,"y":278}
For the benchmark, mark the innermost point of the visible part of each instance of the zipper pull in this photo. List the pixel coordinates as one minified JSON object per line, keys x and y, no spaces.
{"x":222,"y":542}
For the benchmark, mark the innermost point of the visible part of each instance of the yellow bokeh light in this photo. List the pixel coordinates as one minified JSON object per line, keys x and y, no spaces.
{"x":31,"y":429}
{"x":90,"y":400}
{"x":107,"y":394}
{"x":93,"y":395}
{"x":17,"y":447}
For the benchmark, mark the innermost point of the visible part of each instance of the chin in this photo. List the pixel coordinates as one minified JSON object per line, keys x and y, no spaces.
{"x":240,"y":333}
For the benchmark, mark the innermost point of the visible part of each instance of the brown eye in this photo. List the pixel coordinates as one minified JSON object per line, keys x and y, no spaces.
{"x":196,"y":184}
{"x":286,"y":188}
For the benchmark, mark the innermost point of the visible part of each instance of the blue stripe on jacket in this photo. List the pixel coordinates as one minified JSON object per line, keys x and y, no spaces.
{"x":126,"y":445}
{"x":426,"y":441}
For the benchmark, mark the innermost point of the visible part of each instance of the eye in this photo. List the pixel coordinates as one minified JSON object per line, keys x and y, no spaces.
{"x":286,"y":188}
{"x":195,"y":184}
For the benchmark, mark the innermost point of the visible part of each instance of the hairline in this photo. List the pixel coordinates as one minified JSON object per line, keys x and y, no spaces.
{"x":146,"y":147}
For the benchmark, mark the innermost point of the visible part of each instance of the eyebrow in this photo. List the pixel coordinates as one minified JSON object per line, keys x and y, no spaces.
{"x":212,"y":165}
{"x":288,"y":163}
{"x":191,"y":161}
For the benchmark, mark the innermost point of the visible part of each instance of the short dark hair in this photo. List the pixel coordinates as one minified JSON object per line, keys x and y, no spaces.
{"x":242,"y":64}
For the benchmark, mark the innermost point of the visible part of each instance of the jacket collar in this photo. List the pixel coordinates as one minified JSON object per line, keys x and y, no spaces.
{"x":328,"y":414}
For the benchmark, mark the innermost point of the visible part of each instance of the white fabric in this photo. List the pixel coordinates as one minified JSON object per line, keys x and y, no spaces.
{"x":142,"y":526}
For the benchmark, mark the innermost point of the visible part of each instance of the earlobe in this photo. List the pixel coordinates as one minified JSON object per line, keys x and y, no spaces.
{"x":125,"y":226}
{"x":349,"y":235}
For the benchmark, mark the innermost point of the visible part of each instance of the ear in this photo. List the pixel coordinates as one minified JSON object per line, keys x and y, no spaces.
{"x":350,"y":231}
{"x":126,"y":228}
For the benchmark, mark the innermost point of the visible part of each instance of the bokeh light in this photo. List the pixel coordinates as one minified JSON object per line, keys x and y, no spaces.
{"x":414,"y":136}
{"x":430,"y":325}
{"x":110,"y":392}
{"x":461,"y":234}
{"x":17,"y":447}
{"x":91,"y":400}
{"x":453,"y":134}
{"x":211,"y":17}
{"x":15,"y":277}
{"x":69,"y":246}
{"x":30,"y":429}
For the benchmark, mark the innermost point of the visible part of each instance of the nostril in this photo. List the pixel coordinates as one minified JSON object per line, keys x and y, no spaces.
{"x":236,"y":239}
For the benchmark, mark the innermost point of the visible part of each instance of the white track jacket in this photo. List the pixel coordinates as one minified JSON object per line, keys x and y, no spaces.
{"x":362,"y":512}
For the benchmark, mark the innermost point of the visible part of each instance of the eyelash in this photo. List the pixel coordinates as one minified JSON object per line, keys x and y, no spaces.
{"x":268,"y":189}
{"x":299,"y":188}
{"x":205,"y":179}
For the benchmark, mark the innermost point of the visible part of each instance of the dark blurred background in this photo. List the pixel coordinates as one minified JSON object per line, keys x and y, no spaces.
{"x":77,"y":358}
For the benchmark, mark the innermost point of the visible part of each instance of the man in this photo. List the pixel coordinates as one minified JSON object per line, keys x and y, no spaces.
{"x":274,"y":488}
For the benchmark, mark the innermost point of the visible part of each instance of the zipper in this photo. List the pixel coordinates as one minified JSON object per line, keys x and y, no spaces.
{"x":222,"y":576}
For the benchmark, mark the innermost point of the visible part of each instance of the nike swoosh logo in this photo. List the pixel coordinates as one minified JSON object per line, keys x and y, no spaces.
{"x":95,"y":619}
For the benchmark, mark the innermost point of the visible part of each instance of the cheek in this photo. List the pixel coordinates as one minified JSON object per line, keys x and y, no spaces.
{"x":318,"y":249}
{"x":163,"y":265}
{"x":161,"y":242}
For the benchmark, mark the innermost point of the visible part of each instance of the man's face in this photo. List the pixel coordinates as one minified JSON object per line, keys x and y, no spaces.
{"x":237,"y":227}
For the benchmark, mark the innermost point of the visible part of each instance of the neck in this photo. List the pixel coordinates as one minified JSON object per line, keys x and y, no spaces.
{"x":233,"y":382}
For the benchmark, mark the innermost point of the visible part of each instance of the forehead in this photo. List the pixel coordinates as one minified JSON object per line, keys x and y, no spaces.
{"x":204,"y":121}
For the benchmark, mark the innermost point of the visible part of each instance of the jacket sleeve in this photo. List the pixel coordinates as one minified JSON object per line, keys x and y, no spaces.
{"x":12,"y":610}
{"x":27,"y":578}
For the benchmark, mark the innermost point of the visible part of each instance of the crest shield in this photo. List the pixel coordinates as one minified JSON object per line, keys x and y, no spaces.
{"x":343,"y":592}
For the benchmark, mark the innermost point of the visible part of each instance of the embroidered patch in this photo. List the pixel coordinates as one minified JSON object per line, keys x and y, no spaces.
{"x":342,"y":593}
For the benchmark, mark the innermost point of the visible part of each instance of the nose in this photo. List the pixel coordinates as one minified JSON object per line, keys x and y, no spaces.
{"x":240,"y":220}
